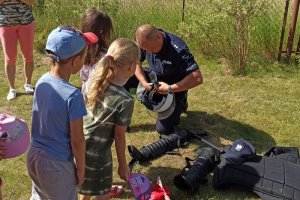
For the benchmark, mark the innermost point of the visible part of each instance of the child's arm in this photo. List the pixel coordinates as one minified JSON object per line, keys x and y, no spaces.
{"x":78,"y":147}
{"x":120,"y":144}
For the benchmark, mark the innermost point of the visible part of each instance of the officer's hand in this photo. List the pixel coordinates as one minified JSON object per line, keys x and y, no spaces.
{"x":163,"y":88}
{"x":148,"y":86}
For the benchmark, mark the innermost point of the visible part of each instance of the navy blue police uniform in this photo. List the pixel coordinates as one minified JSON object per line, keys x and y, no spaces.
{"x":172,"y":64}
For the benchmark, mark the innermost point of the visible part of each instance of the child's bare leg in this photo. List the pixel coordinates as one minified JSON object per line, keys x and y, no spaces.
{"x":83,"y":197}
{"x":102,"y":197}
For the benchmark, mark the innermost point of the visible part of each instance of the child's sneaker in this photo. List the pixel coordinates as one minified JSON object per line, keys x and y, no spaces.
{"x":116,"y":190}
{"x":12,"y":94}
{"x":28,"y":89}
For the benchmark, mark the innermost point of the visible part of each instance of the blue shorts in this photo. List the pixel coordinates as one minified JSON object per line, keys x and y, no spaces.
{"x":51,"y":178}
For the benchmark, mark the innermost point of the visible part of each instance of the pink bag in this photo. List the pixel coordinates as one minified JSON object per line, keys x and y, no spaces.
{"x":14,"y":135}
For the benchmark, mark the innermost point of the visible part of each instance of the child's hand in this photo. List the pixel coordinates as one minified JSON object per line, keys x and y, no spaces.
{"x":124,"y":172}
{"x":80,"y":176}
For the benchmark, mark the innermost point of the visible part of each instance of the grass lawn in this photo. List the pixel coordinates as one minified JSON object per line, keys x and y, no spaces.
{"x":264,"y":109}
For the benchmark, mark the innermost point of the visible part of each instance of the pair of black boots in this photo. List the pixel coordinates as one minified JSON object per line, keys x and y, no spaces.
{"x":166,"y":143}
{"x":194,"y":173}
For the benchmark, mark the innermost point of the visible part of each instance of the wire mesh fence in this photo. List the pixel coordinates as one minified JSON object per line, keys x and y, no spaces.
{"x":234,"y":29}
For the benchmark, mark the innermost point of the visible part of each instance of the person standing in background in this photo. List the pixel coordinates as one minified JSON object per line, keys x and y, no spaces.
{"x":17,"y":24}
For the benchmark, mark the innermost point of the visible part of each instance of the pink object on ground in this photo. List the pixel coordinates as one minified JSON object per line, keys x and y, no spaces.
{"x":14,"y":135}
{"x":140,"y":186}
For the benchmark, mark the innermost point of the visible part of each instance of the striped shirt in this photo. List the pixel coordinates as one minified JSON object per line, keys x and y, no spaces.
{"x":15,"y":12}
{"x":116,"y":108}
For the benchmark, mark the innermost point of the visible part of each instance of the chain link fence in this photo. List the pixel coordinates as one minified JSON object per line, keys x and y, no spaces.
{"x":236,"y":30}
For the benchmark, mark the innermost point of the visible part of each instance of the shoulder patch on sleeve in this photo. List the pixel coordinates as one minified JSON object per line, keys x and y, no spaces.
{"x":177,"y":47}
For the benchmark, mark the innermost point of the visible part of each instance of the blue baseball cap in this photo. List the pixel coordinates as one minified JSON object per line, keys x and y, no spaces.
{"x":65,"y":42}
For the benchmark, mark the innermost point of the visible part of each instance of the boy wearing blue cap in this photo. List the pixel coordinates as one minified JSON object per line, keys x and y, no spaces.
{"x":57,"y":129}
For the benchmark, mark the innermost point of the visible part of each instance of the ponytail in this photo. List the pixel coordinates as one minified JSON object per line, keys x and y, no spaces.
{"x":100,"y":79}
{"x":121,"y":53}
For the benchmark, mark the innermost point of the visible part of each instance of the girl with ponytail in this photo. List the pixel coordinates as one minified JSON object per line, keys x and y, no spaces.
{"x":110,"y":109}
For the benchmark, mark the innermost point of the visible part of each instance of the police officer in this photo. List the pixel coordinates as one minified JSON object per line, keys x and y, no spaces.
{"x":177,"y":71}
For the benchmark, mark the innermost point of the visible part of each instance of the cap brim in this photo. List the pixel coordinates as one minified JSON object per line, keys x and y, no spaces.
{"x":90,"y":38}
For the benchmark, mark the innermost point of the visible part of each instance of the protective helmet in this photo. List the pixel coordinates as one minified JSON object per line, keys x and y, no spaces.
{"x":162,"y":104}
{"x":14,"y":135}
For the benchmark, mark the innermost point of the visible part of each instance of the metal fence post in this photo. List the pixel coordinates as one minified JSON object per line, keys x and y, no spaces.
{"x":292,"y":30}
{"x":287,"y":3}
{"x":182,"y":10}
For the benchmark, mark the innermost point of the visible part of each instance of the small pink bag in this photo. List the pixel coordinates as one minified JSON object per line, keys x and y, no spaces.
{"x":14,"y":135}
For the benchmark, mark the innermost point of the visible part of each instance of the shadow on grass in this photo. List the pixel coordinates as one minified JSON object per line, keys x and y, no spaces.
{"x":23,"y":94}
{"x":142,"y":127}
{"x":221,"y":127}
{"x":206,"y":190}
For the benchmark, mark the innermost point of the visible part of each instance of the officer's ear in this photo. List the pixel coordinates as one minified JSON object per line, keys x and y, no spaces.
{"x":159,"y":38}
{"x":159,"y":35}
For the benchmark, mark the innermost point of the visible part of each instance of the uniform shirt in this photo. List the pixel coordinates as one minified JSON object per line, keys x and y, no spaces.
{"x":15,"y":12}
{"x":56,"y":103}
{"x":173,"y":62}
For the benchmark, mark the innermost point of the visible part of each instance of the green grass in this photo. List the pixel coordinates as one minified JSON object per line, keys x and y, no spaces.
{"x":263,"y":109}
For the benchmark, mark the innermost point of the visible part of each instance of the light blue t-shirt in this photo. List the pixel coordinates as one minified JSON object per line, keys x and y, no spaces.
{"x":56,"y":103}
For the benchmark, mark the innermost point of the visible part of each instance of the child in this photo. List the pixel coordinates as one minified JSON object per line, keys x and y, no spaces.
{"x":57,"y":128}
{"x":98,"y":22}
{"x":110,"y":108}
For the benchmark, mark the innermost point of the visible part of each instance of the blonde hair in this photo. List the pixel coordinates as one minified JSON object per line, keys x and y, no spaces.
{"x":122,"y":52}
